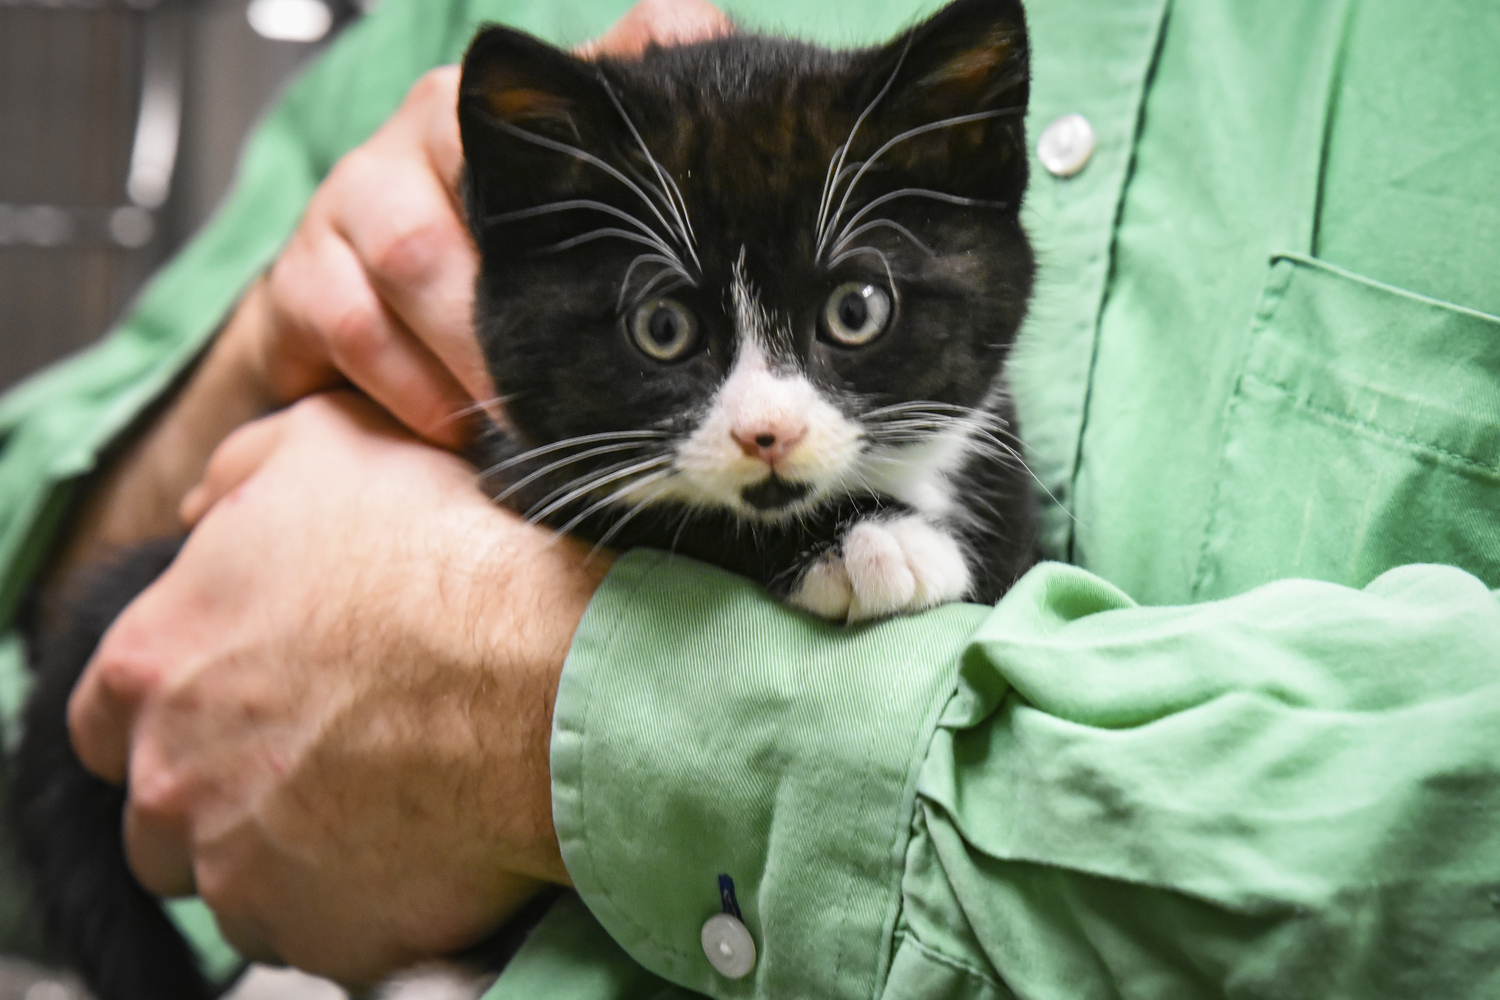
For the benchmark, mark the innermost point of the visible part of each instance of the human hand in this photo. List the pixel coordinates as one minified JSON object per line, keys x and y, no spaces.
{"x":665,"y":22}
{"x":334,"y":707}
{"x":376,"y":286}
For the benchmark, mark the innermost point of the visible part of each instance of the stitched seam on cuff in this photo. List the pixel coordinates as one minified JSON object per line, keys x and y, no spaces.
{"x":643,"y":934}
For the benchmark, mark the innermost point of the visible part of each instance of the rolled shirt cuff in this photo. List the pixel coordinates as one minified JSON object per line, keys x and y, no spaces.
{"x":701,"y":730}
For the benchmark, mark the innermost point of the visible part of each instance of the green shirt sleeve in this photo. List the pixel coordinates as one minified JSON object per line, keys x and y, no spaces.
{"x":702,"y":731}
{"x":1287,"y":793}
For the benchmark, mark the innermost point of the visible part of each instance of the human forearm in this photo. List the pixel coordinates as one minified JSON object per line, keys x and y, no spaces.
{"x":136,"y":496}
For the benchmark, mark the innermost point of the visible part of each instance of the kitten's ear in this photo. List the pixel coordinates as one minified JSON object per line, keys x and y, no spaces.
{"x":958,"y":84}
{"x":521,"y":104}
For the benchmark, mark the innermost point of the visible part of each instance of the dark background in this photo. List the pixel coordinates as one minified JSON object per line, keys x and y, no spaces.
{"x":83,"y":84}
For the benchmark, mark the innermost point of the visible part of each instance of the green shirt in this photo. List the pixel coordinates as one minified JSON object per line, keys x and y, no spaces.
{"x":1244,"y":746}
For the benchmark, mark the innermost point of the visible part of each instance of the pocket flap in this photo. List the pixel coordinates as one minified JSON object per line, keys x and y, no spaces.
{"x":1404,"y":365}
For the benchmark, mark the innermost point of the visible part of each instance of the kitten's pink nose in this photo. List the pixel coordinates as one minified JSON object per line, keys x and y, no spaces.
{"x":770,"y":444}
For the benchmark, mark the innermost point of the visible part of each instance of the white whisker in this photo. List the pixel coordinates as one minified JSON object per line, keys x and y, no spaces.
{"x":684,"y":227}
{"x":845,"y":235}
{"x":876,"y":224}
{"x":570,"y":205}
{"x":586,"y":157}
{"x":479,"y":406}
{"x":849,"y":141}
{"x":582,"y":439}
{"x":668,"y":268}
{"x":593,"y":484}
{"x":687,"y":515}
{"x":828,"y":183}
{"x":614,"y":496}
{"x":902,"y":137}
{"x":588,"y":479}
{"x":562,"y":463}
{"x":604,"y":233}
{"x":936,"y":409}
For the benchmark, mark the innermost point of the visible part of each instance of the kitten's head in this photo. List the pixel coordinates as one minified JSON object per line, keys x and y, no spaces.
{"x":749,"y":273}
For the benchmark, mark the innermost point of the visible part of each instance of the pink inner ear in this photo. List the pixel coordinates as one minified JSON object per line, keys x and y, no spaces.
{"x":972,"y":68}
{"x":964,"y":77}
{"x":514,"y":104}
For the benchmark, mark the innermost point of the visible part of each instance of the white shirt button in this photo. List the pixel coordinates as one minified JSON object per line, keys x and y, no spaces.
{"x":729,"y":946}
{"x":1066,"y":145}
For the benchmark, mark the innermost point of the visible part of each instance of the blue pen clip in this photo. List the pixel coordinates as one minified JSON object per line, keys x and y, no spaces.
{"x":726,"y":897}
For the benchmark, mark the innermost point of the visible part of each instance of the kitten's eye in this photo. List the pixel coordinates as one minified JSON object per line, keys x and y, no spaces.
{"x":856,"y":313}
{"x":664,"y":329}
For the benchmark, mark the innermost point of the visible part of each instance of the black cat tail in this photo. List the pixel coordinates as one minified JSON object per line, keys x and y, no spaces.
{"x":96,"y":914}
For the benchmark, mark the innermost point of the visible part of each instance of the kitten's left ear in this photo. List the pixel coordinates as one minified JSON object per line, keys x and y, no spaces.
{"x":522,"y":105}
{"x":956,"y":88}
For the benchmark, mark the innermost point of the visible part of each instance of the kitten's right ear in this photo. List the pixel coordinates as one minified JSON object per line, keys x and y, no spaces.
{"x":520,"y":102}
{"x":949,"y":98}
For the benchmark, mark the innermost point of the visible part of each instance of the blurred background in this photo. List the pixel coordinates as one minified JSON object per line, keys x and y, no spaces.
{"x":120,"y":123}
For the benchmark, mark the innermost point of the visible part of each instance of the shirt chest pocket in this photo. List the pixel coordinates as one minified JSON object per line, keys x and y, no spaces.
{"x":1363,"y":433}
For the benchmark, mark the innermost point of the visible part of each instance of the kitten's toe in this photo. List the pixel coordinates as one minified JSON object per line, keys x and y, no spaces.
{"x":901,"y":566}
{"x":937,"y":561}
{"x":883,"y":582}
{"x":884,"y":567}
{"x":824,"y":589}
{"x":436,"y":981}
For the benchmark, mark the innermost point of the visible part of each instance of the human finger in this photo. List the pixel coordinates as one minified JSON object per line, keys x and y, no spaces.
{"x":106,"y":701}
{"x":156,"y":836}
{"x":248,"y":938}
{"x":321,"y":286}
{"x":417,"y":255}
{"x":415,"y":252}
{"x":435,"y":95}
{"x":233,"y":462}
{"x":664,"y":22}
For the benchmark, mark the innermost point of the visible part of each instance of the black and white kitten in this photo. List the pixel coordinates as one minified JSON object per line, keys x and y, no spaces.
{"x":780,"y":284}
{"x":749,"y":300}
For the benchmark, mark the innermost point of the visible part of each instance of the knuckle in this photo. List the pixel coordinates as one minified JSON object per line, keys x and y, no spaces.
{"x":287,"y":282}
{"x":226,"y":457}
{"x":159,"y":796}
{"x":220,"y":888}
{"x":127,"y":668}
{"x":432,"y":87}
{"x":354,"y":169}
{"x":404,"y":254}
{"x":353,"y":333}
{"x":656,"y":15}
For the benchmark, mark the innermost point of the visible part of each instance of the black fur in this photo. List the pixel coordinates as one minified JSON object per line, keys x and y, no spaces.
{"x":747,"y":125}
{"x":68,"y":821}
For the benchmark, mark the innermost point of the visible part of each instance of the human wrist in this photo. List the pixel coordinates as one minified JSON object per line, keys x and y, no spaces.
{"x":135,"y":496}
{"x":240,"y":358}
{"x":554,"y":579}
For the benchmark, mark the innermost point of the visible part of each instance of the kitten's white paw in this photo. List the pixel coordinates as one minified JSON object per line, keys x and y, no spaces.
{"x":885,"y":568}
{"x":824,"y":590}
{"x":436,"y":981}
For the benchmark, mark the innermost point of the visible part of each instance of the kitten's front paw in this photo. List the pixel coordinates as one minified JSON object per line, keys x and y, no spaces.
{"x":885,"y":568}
